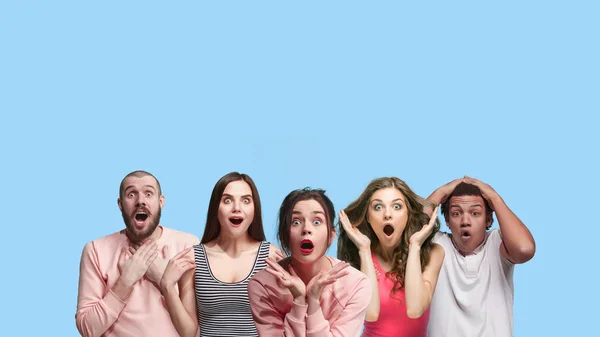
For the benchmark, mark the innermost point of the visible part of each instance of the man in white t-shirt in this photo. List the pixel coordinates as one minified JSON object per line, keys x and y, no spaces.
{"x":474,"y":293}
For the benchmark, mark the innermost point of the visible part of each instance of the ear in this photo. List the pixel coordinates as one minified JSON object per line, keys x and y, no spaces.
{"x":331,"y":237}
{"x":161,"y":201}
{"x":488,"y":220}
{"x":119,"y":203}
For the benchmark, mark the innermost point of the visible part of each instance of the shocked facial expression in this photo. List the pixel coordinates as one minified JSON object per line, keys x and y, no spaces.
{"x":140,"y":206}
{"x":467,"y":222}
{"x":308,"y":231}
{"x":388,"y":215}
{"x":236,"y":209}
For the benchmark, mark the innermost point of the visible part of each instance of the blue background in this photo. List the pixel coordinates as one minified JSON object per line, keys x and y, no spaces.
{"x":327,"y":94}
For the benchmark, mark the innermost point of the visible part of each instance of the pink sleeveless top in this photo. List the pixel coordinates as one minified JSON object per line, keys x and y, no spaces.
{"x":393,"y":320}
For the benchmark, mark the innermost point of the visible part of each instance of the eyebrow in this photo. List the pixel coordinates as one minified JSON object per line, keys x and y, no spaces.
{"x":145,"y":186}
{"x":243,"y":196}
{"x":381,"y":201}
{"x":313,"y":212}
{"x":470,"y":206}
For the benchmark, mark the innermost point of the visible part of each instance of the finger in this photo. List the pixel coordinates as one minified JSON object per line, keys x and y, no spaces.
{"x":182,"y":253}
{"x":338,"y":267}
{"x":165,"y":252}
{"x":273,"y":264}
{"x":144,"y":247}
{"x":345,"y":221}
{"x":187,"y":267}
{"x":122,"y":256}
{"x":336,"y":276}
{"x":434,"y":215}
{"x":131,"y":250}
{"x":277,"y":274}
{"x":151,"y":258}
{"x":150,"y":250}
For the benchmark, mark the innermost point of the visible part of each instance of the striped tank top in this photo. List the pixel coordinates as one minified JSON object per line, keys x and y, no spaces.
{"x":224,"y":308}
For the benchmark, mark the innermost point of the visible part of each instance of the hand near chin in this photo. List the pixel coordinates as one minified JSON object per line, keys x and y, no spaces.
{"x":417,"y":239}
{"x":316,"y":285}
{"x":133,"y":266}
{"x":289,"y":280}
{"x":157,"y":268}
{"x":361,"y":241}
{"x":487,"y":191}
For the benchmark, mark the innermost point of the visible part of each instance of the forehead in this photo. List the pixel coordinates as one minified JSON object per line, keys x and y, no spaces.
{"x":308,"y":207}
{"x":388,"y":194}
{"x":238,"y":187}
{"x":140,"y":182}
{"x":466,"y":201}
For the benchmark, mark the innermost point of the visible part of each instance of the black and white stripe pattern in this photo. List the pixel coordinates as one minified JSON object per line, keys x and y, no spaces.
{"x":224,"y":308}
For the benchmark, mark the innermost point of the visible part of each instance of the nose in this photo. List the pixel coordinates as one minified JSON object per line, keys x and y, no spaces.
{"x":236,"y":206}
{"x":387,"y":214}
{"x":465,"y":220}
{"x":306,"y":230}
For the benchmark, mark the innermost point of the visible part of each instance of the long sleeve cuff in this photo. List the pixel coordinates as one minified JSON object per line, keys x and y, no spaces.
{"x":316,"y":322}
{"x":113,"y":303}
{"x":298,"y":312}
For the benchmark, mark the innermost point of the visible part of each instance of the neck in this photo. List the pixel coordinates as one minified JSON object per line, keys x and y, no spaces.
{"x":307,"y":271}
{"x":464,"y":252}
{"x":154,"y":236}
{"x":234,"y":246}
{"x":386,"y":254}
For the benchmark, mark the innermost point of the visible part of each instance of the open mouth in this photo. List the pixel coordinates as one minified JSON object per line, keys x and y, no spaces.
{"x":306,"y":247}
{"x":388,"y":230}
{"x":236,"y":221}
{"x":141,"y":216}
{"x":465,"y":235}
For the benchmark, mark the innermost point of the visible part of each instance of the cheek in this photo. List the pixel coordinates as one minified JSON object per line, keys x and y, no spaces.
{"x":249,"y":210}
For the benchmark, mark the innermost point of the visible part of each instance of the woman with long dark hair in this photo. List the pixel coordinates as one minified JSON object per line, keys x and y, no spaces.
{"x":233,"y":248}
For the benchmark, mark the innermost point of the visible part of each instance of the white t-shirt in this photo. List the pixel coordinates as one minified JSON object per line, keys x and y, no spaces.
{"x":474,"y":294}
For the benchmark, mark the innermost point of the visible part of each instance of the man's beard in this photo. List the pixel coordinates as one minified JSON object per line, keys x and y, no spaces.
{"x":137,"y":236}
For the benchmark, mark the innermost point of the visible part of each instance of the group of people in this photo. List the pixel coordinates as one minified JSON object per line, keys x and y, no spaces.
{"x":395,"y":273}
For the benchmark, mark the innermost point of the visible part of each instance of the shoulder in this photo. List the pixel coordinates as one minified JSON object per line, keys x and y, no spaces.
{"x":440,"y":236}
{"x":354,"y":276}
{"x":275,"y":252}
{"x":262,"y":279}
{"x":109,"y":242}
{"x":437,"y":250}
{"x":174,"y":235}
{"x":493,"y":238}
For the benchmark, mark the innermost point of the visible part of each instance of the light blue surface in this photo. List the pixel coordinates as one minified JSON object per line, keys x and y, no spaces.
{"x":325,"y":94}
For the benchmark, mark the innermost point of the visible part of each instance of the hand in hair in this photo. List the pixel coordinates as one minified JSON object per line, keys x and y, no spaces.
{"x":361,"y":241}
{"x":417,"y":239}
{"x":447,"y":189}
{"x":487,"y":191}
{"x":289,"y":280}
{"x":316,"y":285}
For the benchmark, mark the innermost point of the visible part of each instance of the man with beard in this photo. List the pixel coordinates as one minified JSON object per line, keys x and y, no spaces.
{"x":474,"y":293}
{"x":119,"y":292}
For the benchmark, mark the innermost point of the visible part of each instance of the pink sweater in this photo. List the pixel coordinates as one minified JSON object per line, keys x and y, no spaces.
{"x":101,"y":313}
{"x":343,"y":307}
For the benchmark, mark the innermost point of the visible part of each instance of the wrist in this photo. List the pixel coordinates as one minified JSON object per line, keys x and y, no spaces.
{"x":165,"y":287}
{"x":495,"y":201}
{"x":366,"y":251}
{"x":413,"y":247}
